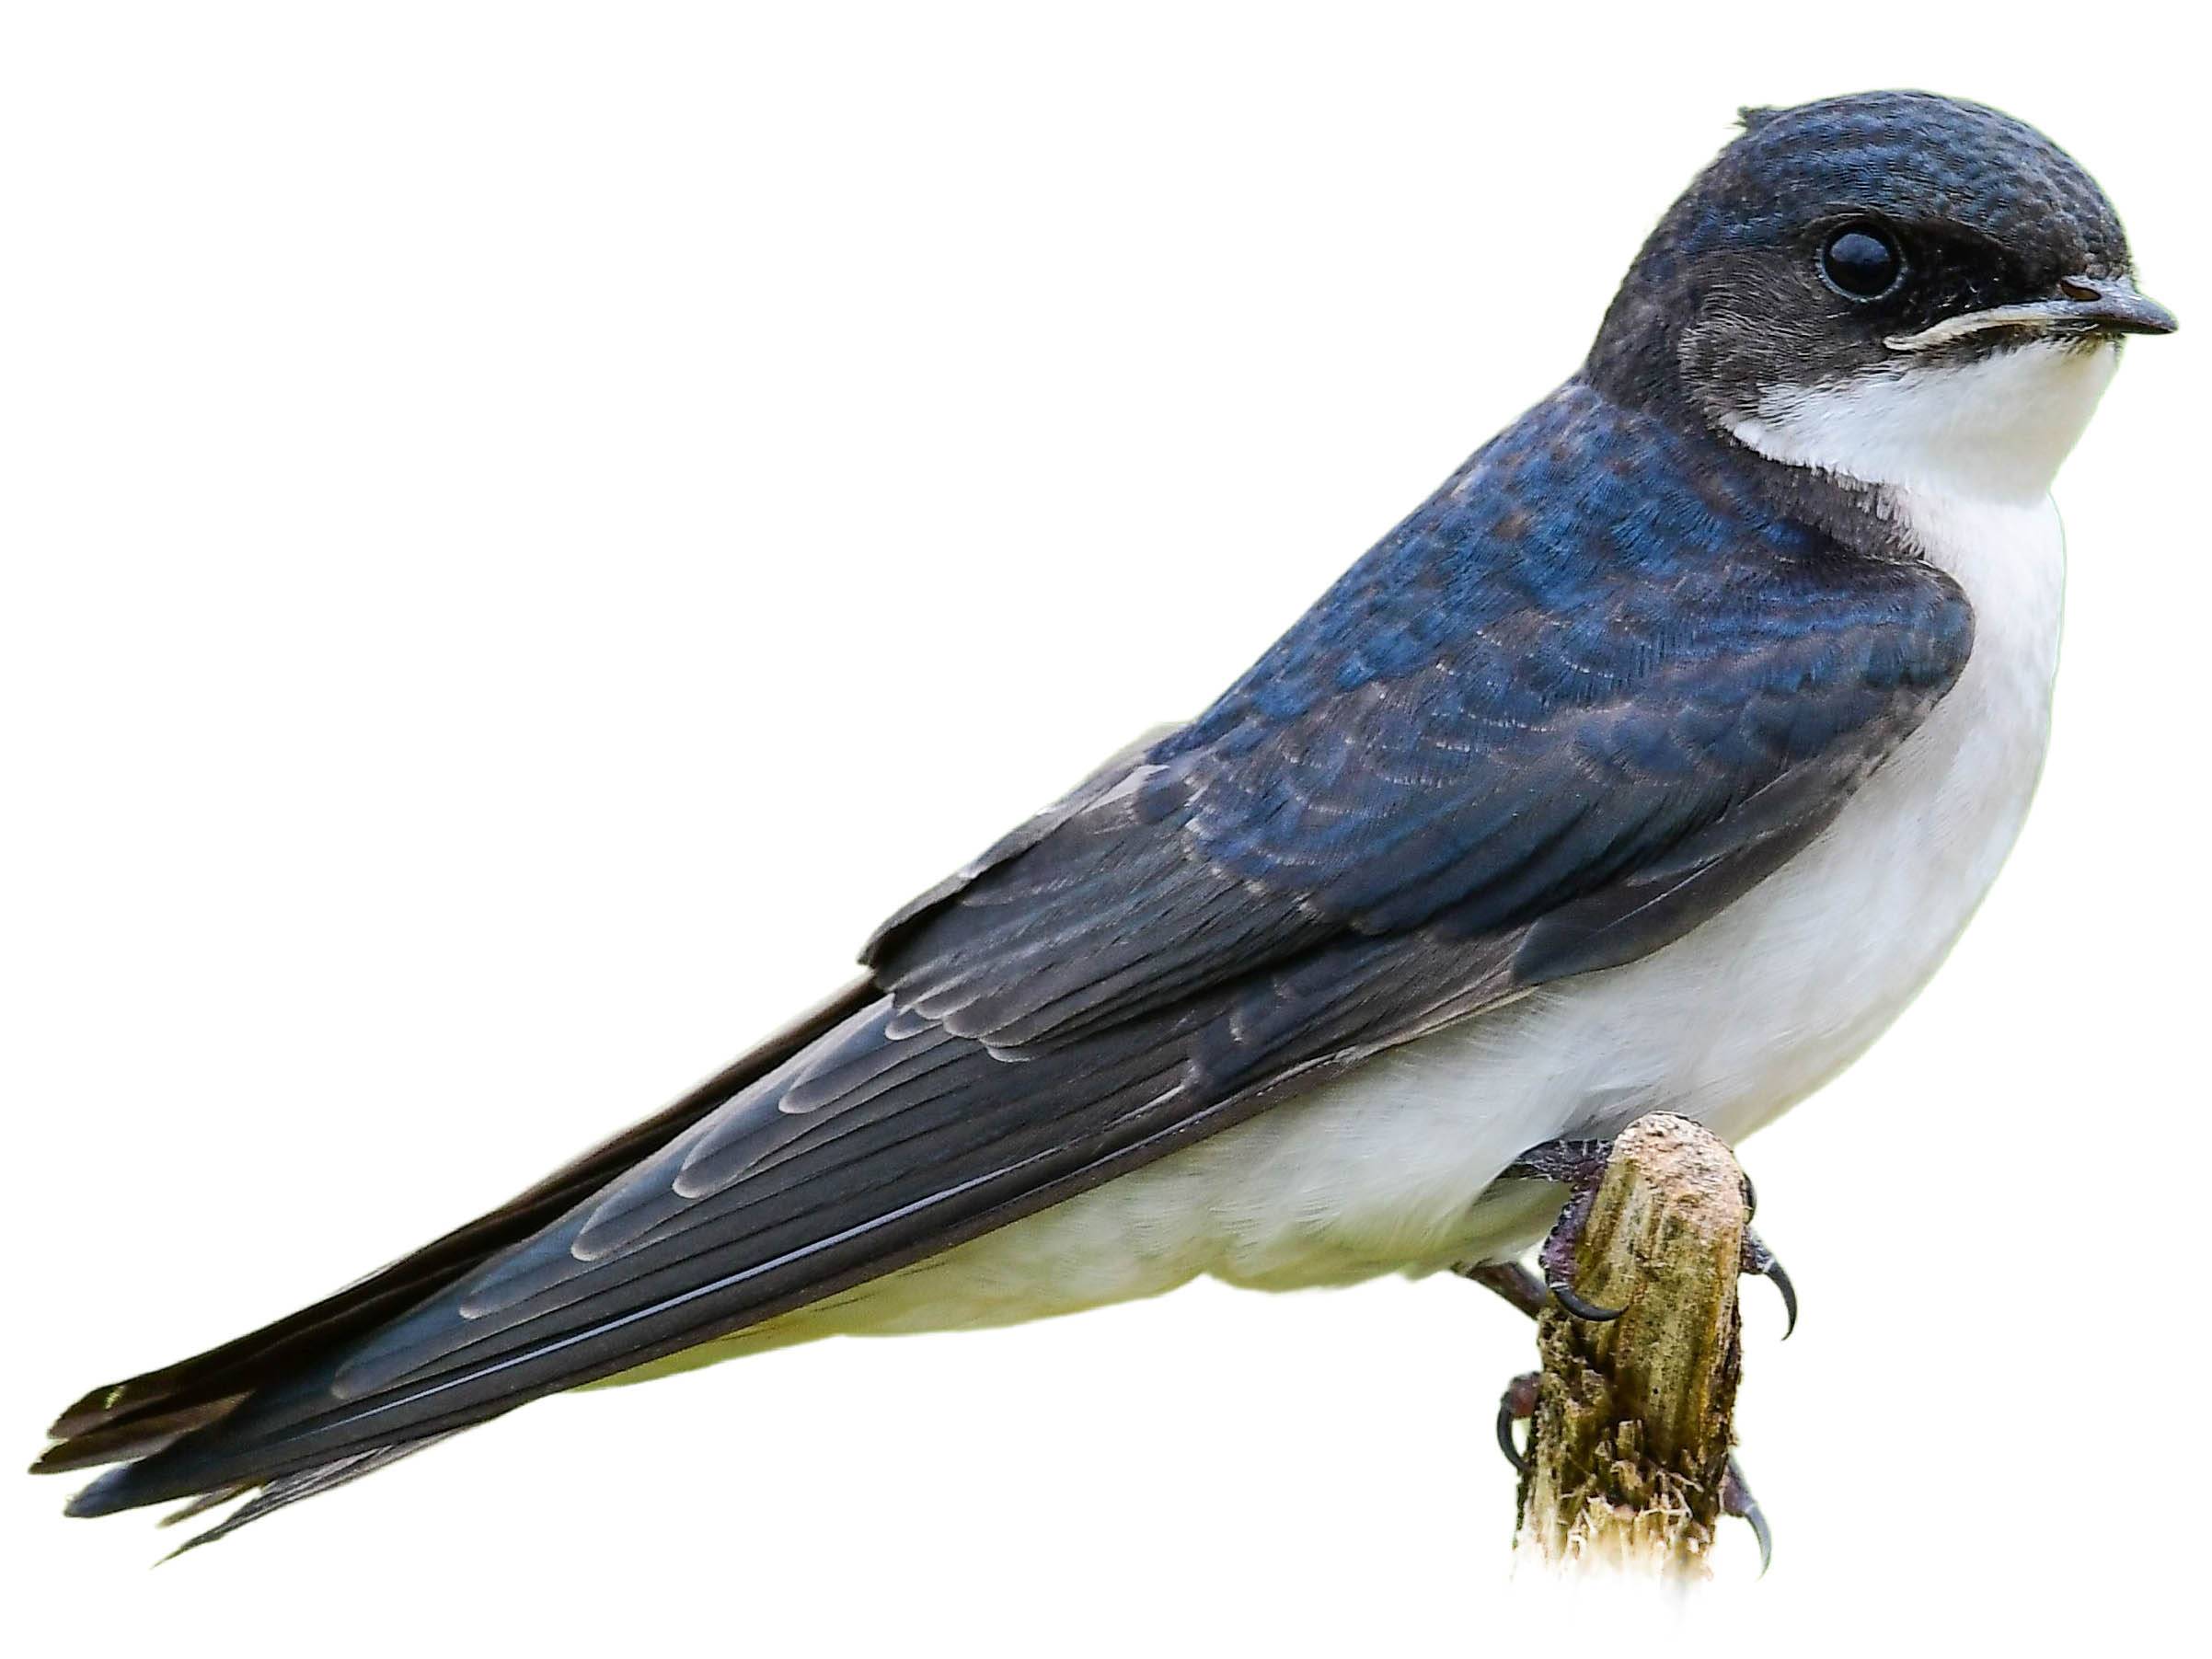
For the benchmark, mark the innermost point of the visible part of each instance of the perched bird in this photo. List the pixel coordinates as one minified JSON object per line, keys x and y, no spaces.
{"x":1656,"y":760}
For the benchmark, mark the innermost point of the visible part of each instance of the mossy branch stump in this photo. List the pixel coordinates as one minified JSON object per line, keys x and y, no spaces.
{"x":1628,"y":1447}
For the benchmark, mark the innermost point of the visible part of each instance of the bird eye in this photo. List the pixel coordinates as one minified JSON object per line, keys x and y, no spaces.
{"x":1861,"y":263}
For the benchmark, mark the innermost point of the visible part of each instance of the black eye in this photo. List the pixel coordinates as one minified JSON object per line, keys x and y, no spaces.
{"x":1861,"y":263}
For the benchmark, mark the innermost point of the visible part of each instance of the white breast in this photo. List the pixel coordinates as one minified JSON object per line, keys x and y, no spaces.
{"x":1779,"y":992}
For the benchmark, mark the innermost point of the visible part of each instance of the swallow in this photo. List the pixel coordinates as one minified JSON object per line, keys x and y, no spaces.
{"x":1656,"y":760}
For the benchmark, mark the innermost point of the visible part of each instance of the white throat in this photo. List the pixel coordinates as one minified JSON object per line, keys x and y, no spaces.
{"x":1992,"y":430}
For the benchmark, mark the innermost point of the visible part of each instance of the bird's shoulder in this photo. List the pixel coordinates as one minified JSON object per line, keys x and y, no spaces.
{"x":1587,"y":546}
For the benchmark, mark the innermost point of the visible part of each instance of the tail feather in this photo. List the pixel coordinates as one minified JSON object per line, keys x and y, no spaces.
{"x":177,"y":1414}
{"x":285,"y":1490}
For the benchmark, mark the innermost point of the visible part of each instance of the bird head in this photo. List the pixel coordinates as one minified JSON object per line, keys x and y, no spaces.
{"x":1897,"y":287}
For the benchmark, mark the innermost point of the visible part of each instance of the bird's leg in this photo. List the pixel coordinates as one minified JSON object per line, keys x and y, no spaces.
{"x":1512,"y":1281}
{"x":1578,"y":1165}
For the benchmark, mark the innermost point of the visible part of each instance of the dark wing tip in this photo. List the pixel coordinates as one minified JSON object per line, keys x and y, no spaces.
{"x":93,"y":1411}
{"x":140,"y":1415}
{"x":135,"y":1435}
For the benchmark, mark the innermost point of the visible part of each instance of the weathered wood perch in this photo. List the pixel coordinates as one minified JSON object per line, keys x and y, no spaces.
{"x":1627,"y":1450}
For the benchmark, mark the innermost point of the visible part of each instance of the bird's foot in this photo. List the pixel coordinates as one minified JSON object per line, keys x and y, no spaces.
{"x":1580,"y":1166}
{"x":1761,"y":1262}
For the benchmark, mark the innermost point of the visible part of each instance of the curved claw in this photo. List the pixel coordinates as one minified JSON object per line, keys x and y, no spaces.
{"x":1579,"y":1306}
{"x":1761,"y":1531}
{"x":1781,"y":1283}
{"x":1517,"y":1404}
{"x":1505,"y":1441}
{"x":1736,"y":1500}
{"x":1759,"y":1260}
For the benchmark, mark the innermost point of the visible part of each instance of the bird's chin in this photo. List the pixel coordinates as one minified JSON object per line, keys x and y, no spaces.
{"x":1986,"y":424}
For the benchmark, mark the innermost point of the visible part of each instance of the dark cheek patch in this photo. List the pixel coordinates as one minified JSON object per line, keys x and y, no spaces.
{"x":1767,"y":320}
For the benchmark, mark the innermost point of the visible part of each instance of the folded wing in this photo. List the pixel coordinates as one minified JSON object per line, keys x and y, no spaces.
{"x":1564,"y":713}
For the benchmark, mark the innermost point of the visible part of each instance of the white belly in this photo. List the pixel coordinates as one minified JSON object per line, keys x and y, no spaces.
{"x":1383,"y":1170}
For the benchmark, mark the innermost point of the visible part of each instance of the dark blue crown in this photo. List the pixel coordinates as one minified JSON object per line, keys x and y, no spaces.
{"x":1913,"y":157}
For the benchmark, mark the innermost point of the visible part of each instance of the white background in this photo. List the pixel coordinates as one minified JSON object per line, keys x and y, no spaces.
{"x":529,"y":529}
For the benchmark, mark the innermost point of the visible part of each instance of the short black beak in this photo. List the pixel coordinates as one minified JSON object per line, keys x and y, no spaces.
{"x":2082,"y":305}
{"x":2113,"y":304}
